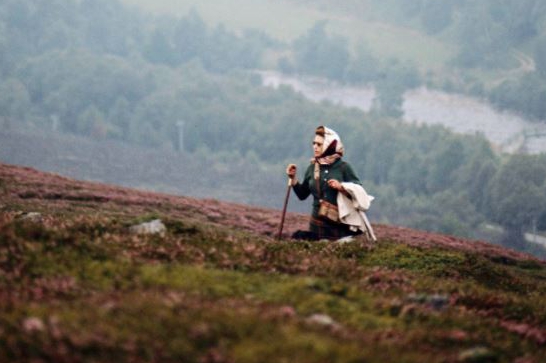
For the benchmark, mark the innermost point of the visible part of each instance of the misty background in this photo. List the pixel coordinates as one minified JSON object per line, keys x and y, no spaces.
{"x":441,"y":105}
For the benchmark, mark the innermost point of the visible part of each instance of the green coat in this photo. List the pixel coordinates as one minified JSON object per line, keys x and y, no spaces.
{"x":339,"y":170}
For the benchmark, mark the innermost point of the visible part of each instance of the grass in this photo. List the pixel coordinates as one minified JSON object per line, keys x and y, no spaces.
{"x":77,"y":286}
{"x":191,"y":290}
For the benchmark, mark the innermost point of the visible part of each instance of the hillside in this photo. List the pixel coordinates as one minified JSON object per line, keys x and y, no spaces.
{"x":385,"y":39}
{"x":77,"y":285}
{"x":127,"y":165}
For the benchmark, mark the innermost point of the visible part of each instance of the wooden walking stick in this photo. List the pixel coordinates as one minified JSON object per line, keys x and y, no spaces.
{"x":284,"y":207}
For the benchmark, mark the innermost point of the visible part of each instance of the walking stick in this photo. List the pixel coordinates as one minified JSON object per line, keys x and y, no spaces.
{"x":284,"y":207}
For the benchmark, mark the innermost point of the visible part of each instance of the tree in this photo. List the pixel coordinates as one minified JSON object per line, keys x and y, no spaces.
{"x":436,"y":16}
{"x":393,"y":80}
{"x":527,"y":93}
{"x":517,"y":197}
{"x":444,"y":164}
{"x":475,"y":174}
{"x":455,"y":212}
{"x":120,"y":118}
{"x":389,"y":98}
{"x":91,"y":123}
{"x":518,"y":19}
{"x":318,"y":53}
{"x":381,"y":154}
{"x":109,"y":27}
{"x":408,"y":173}
{"x":540,"y":56}
{"x":14,"y":101}
{"x":364,"y":67}
{"x":159,"y":49}
{"x":5,"y":60}
{"x":191,"y":38}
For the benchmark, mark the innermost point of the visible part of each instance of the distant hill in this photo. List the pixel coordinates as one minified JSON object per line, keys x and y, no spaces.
{"x":77,"y":285}
{"x":119,"y":163}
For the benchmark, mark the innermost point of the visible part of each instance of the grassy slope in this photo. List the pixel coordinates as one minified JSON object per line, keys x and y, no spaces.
{"x":75,"y":285}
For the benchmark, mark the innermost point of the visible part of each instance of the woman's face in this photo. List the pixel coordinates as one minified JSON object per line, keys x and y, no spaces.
{"x":318,"y":143}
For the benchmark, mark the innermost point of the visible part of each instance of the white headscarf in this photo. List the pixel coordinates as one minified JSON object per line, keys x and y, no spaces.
{"x":330,"y":136}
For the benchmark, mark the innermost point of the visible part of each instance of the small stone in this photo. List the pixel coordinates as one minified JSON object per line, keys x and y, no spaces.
{"x":152,"y":227}
{"x":33,"y":324}
{"x":435,"y":301}
{"x":438,"y":302}
{"x":478,"y":355}
{"x":321,"y":319}
{"x":346,"y":239}
{"x":33,"y":217}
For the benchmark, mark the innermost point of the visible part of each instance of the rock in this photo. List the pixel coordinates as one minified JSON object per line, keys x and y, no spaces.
{"x":438,"y":302}
{"x":435,"y":301}
{"x":478,"y":355}
{"x":33,"y":325}
{"x":321,"y":319}
{"x":152,"y":227}
{"x":346,"y":239}
{"x":33,"y":217}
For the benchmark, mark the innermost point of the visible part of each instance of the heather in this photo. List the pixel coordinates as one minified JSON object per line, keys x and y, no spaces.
{"x":77,"y":285}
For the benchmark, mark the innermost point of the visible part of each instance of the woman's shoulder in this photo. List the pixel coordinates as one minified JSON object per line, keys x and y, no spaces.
{"x":308,"y":170}
{"x":340,"y":163}
{"x":347,"y":170}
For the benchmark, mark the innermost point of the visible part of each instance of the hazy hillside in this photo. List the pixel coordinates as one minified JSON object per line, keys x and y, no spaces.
{"x":150,"y":169}
{"x":288,"y":20}
{"x":428,"y":35}
{"x":77,"y":285}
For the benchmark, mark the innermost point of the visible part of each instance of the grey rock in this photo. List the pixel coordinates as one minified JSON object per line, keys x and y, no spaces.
{"x":152,"y":227}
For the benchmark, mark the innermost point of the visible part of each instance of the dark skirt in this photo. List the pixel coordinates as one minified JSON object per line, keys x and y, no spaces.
{"x":324,"y":229}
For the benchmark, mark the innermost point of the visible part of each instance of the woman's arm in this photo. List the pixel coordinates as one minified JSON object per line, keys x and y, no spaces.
{"x":302,"y":189}
{"x":348,"y":175}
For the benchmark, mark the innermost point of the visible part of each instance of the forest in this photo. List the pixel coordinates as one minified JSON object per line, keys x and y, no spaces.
{"x":490,"y":38}
{"x":99,"y":69}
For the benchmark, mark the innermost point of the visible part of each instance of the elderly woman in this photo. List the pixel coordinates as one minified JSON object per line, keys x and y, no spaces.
{"x":323,"y":179}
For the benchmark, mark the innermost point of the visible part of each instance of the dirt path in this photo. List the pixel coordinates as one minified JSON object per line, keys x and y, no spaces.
{"x":526,"y":65}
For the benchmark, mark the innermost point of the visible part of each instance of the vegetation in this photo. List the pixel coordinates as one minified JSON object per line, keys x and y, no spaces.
{"x":100,"y":70}
{"x":77,"y":285}
{"x":484,"y":49}
{"x":489,"y":50}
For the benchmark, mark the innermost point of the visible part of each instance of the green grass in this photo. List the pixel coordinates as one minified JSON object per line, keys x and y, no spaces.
{"x":246,"y":298}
